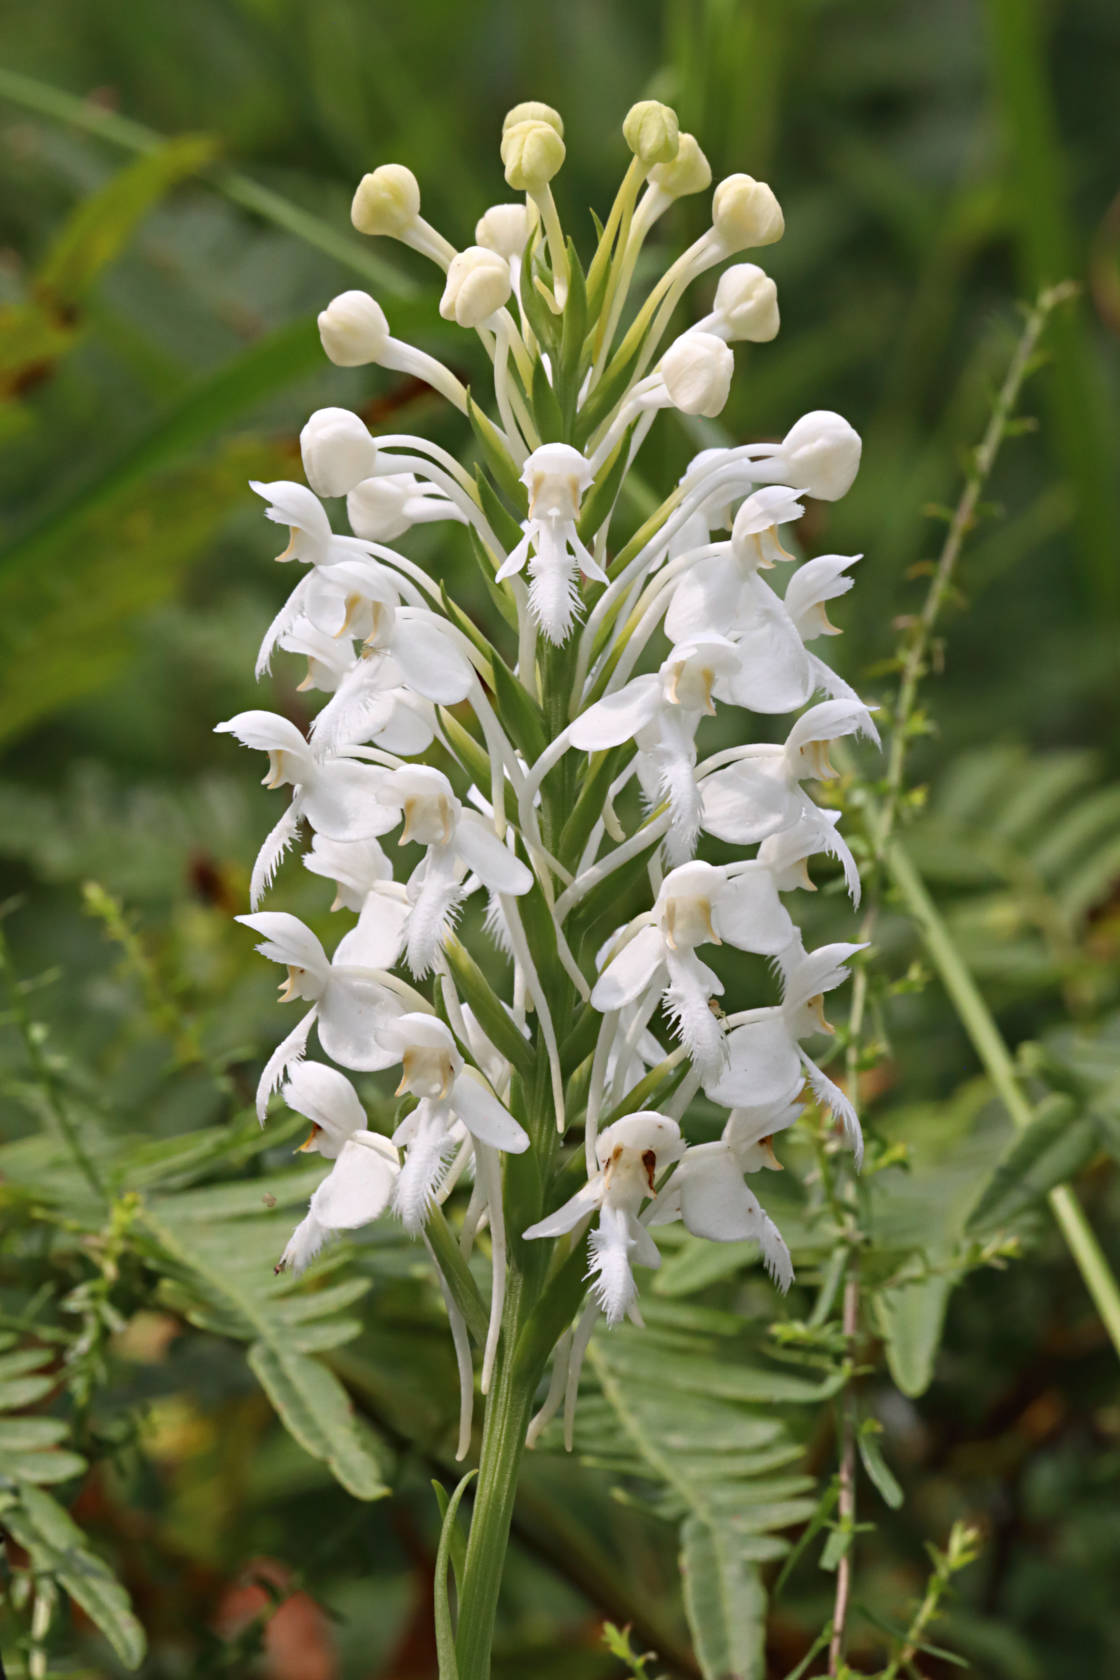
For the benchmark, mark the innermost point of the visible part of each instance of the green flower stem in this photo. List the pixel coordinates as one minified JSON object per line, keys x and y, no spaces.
{"x":508,"y":1410}
{"x":988,"y":1042}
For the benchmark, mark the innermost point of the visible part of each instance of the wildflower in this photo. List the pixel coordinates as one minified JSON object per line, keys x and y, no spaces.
{"x":448,"y":1092}
{"x":384,"y":508}
{"x":478,"y":284}
{"x":631,"y":1153}
{"x":359,"y":1185}
{"x":455,"y":841}
{"x":556,"y":475}
{"x":337,"y":451}
{"x":350,"y":998}
{"x":697,"y":904}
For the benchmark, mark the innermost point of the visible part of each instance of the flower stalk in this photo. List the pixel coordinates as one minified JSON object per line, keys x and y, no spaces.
{"x":517,"y":812}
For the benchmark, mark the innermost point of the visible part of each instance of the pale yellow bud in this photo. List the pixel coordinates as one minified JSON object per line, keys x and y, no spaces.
{"x":478,"y":283}
{"x":697,"y":371}
{"x":532,"y":153}
{"x":387,"y":201}
{"x":531,"y":110}
{"x":745,"y":213}
{"x":689,"y":171}
{"x":746,"y":304}
{"x":652,"y":132}
{"x":353,"y":329}
{"x":504,"y":228}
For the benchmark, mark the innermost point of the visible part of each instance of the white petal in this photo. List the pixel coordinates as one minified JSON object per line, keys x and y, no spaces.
{"x":429,"y":661}
{"x":775,"y":673}
{"x":351,"y":1010}
{"x":492,"y":861}
{"x":609,"y":1246}
{"x":570,"y":1214}
{"x":749,"y":800}
{"x":266,"y":732}
{"x":484,"y":1116}
{"x":514,"y":561}
{"x":628,"y":974}
{"x":378,"y":939}
{"x":838,"y":1105}
{"x":763,"y":1065}
{"x":706,"y":598}
{"x":358,"y":1186}
{"x":287,"y":1053}
{"x":272,"y":852}
{"x":326,"y":1098}
{"x":342,"y":802}
{"x":618,"y":717}
{"x":645,"y":1251}
{"x":287,"y":940}
{"x":750,"y":914}
{"x":715,"y":1202}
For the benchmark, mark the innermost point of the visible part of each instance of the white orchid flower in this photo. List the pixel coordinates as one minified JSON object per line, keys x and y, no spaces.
{"x":662,"y":713}
{"x":707,"y":1193}
{"x":456,"y":840}
{"x":434,"y":1071}
{"x":335,"y":794}
{"x":761,"y":793}
{"x":766,"y":1063}
{"x":698,"y":903}
{"x":786,"y":853}
{"x":358,"y":1187}
{"x":631,"y":1154}
{"x":556,"y":476}
{"x":364,"y":877}
{"x":351,"y":998}
{"x":819,"y":456}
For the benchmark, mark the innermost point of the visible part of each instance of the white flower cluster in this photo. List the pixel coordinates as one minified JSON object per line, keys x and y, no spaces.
{"x":620,"y":651}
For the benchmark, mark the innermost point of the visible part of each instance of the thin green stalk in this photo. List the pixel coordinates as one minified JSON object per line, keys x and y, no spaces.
{"x":981,"y":463}
{"x":995,"y":1057}
{"x":240,"y":189}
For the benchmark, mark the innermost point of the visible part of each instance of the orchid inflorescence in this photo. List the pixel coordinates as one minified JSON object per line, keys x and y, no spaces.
{"x":550,"y":766}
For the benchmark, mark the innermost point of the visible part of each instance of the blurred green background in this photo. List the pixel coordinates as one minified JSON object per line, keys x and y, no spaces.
{"x":174,"y":191}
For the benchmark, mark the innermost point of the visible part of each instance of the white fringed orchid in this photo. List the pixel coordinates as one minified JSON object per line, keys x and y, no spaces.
{"x":556,"y":476}
{"x":454,"y":708}
{"x":766,"y":1063}
{"x":358,"y":1187}
{"x":336,"y":795}
{"x":631,"y":1154}
{"x":449,"y":1092}
{"x":456,"y":840}
{"x":697,"y":904}
{"x":351,"y":998}
{"x":761,"y":792}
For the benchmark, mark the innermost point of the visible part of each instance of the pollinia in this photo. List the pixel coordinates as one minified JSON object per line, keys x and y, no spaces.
{"x":485,"y":796}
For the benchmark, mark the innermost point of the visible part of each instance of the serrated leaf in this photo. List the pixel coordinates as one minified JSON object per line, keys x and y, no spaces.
{"x":57,"y":1546}
{"x":314,"y":1408}
{"x":725,"y":1603}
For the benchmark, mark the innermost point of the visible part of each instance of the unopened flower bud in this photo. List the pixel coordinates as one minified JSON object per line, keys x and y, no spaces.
{"x":532,"y":152}
{"x":532,"y":110}
{"x":478,"y":283}
{"x":337,"y":451}
{"x":688,"y":172}
{"x":387,"y":201}
{"x":697,"y":371}
{"x":353,"y":329}
{"x":747,"y":304}
{"x":652,"y":132}
{"x":377,"y":508}
{"x":746,"y":214}
{"x":505,"y":229}
{"x":820,"y":455}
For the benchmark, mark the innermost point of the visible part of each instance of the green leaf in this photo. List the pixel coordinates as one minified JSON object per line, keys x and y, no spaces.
{"x":314,"y":1408}
{"x":910,"y":1319}
{"x":520,"y":715}
{"x":471,"y":754}
{"x":497,"y":458}
{"x":42,"y":1467}
{"x":725,"y":1603}
{"x":546,"y":408}
{"x":57,"y":1547}
{"x":598,"y":503}
{"x":458,"y":1549}
{"x":445,"y":1633}
{"x":493,"y":1017}
{"x":103,"y":223}
{"x":505,"y":526}
{"x":29,"y":1434}
{"x":871,"y":1453}
{"x":1054,"y":1147}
